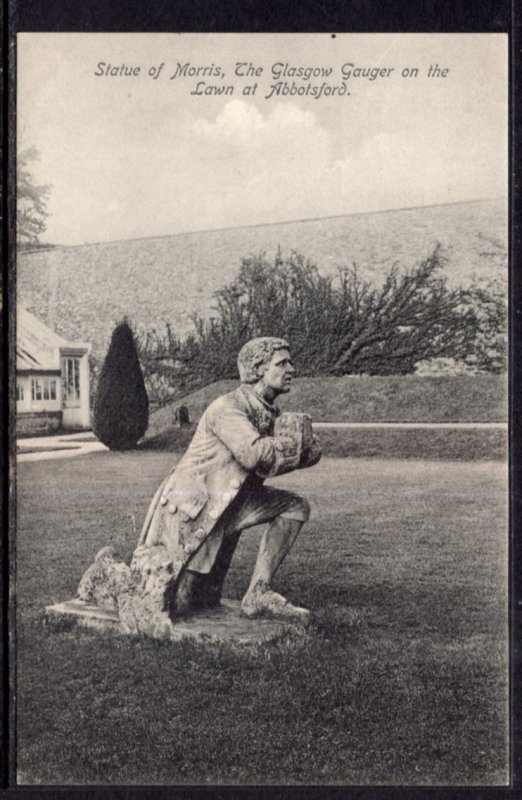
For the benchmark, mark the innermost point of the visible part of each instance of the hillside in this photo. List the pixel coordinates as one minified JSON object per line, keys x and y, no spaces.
{"x":409,"y":398}
{"x":81,"y":292}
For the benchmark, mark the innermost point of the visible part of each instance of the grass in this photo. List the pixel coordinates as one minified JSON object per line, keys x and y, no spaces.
{"x":395,"y":398}
{"x":57,"y":432}
{"x":445,"y":444}
{"x":403,"y":679}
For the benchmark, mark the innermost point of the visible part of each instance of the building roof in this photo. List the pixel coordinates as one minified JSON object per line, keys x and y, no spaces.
{"x":38,"y":347}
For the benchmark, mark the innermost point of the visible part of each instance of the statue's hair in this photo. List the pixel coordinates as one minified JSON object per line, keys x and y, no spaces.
{"x":255,"y":353}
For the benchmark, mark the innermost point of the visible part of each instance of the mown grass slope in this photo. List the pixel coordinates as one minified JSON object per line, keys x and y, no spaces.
{"x":82,"y":292}
{"x":410,"y":398}
{"x":403,"y":679}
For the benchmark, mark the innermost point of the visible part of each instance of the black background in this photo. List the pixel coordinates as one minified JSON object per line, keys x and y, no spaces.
{"x":450,"y":16}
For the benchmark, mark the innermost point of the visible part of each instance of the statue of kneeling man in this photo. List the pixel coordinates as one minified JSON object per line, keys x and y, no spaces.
{"x":211,"y":496}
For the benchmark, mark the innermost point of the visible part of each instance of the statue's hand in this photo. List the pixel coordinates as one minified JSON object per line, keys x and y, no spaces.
{"x":300,"y":427}
{"x":286,"y":457}
{"x":312,"y":454}
{"x":296,"y":424}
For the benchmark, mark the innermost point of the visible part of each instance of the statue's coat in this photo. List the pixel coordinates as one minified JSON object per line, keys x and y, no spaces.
{"x":234,"y":439}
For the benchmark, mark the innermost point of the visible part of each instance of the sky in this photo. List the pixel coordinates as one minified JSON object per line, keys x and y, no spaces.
{"x":130,"y":156}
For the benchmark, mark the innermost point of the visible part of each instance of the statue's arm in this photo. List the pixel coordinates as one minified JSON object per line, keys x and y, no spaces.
{"x":265,"y":455}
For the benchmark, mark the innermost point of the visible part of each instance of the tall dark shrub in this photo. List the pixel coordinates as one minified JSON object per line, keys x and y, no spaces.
{"x":121,"y":407}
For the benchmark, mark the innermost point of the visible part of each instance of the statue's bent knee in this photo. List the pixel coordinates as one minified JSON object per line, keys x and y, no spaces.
{"x":300,"y":510}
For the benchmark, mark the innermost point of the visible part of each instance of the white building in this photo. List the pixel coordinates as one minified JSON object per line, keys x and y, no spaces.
{"x":52,"y":378}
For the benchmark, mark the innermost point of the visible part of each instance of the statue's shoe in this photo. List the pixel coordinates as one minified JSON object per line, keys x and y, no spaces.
{"x":272,"y":604}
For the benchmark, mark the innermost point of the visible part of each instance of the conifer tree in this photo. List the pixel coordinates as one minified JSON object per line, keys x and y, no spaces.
{"x":121,"y":407}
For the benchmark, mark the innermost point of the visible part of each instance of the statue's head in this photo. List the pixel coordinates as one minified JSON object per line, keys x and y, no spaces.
{"x":256,"y":355}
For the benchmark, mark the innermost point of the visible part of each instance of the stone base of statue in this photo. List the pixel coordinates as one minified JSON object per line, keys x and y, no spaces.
{"x":223,"y":623}
{"x":143,"y":600}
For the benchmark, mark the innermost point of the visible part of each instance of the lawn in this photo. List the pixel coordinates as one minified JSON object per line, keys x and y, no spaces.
{"x":402,"y":680}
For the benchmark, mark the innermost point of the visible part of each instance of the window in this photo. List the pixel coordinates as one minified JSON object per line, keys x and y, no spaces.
{"x":19,"y":391}
{"x":71,"y":378}
{"x":42,"y":389}
{"x":36,"y":389}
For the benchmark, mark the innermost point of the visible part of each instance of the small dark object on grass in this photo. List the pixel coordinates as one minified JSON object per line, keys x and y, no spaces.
{"x":182,"y":416}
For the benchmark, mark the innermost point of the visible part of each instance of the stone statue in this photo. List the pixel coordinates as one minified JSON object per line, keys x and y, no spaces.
{"x":214,"y":493}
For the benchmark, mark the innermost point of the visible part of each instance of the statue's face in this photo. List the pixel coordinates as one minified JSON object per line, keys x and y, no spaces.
{"x":278,"y":372}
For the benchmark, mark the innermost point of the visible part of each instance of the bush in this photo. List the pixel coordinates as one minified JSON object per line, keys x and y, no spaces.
{"x":121,"y":407}
{"x":335,"y":326}
{"x":488,"y":302}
